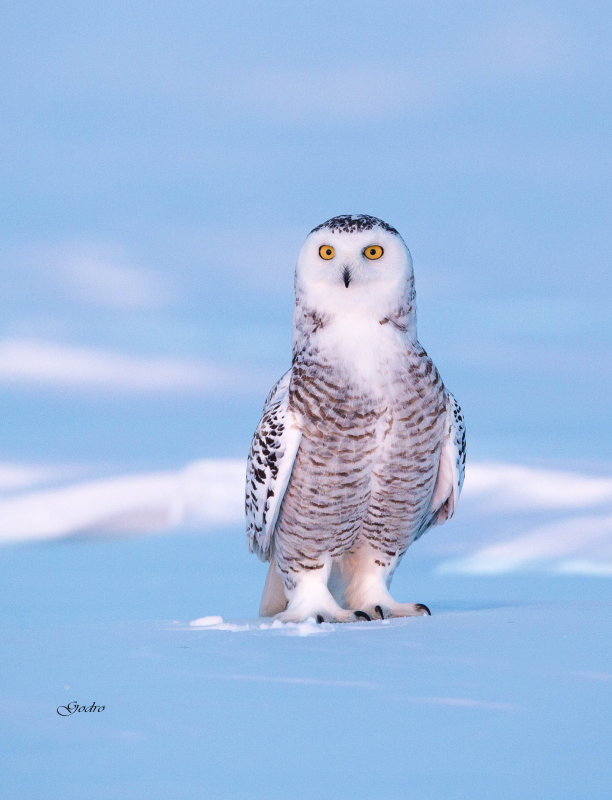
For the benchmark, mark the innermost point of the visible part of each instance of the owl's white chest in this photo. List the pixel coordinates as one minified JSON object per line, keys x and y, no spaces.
{"x":369,"y":353}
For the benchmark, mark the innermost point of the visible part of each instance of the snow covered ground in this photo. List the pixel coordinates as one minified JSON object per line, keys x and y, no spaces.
{"x":504,"y":691}
{"x":506,"y":697}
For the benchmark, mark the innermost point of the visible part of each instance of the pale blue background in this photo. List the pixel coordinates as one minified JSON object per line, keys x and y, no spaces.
{"x":199,"y":142}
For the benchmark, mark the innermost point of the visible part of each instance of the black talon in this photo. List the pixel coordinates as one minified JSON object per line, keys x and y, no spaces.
{"x":320,"y":619}
{"x":363,"y":615}
{"x":379,"y":611}
{"x":423,"y":607}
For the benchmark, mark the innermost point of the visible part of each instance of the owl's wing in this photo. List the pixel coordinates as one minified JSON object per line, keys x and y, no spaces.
{"x":269,"y":465}
{"x":450,"y":471}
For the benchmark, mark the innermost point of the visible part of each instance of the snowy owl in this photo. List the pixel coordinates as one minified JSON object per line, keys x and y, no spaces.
{"x":360,"y":448}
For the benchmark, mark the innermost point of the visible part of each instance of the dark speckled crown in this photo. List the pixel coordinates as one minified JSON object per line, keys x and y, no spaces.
{"x":352,"y":223}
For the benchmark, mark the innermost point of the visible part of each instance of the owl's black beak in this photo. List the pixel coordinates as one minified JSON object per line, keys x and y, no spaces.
{"x":346,"y":276}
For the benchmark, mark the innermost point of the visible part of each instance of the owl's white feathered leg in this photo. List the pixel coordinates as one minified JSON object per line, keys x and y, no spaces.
{"x":309,"y":597}
{"x":367,"y":573}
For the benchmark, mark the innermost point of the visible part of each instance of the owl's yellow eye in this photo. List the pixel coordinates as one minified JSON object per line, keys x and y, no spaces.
{"x":326,"y":251}
{"x":373,"y":252}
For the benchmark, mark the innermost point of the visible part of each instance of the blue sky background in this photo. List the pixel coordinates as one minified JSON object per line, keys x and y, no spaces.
{"x":162,"y":164}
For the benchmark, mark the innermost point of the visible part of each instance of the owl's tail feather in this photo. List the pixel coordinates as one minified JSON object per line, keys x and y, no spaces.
{"x":273,"y":599}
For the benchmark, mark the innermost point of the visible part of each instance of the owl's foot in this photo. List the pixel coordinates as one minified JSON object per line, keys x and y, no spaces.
{"x":368,"y":575}
{"x":310,"y":598}
{"x":387,"y":611}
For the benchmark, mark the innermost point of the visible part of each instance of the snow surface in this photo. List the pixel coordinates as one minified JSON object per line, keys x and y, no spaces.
{"x":503,"y":692}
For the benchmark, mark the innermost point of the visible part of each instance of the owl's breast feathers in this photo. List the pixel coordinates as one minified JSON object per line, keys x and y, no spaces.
{"x":401,"y":398}
{"x":369,"y":452}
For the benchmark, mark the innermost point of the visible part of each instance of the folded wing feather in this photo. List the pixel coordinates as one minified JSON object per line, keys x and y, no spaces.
{"x":269,"y":465}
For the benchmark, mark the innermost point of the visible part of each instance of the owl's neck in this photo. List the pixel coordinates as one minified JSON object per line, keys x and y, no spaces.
{"x":313,"y":319}
{"x":362,"y":345}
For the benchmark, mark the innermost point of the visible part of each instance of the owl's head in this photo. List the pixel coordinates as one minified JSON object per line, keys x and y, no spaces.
{"x":354,"y":264}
